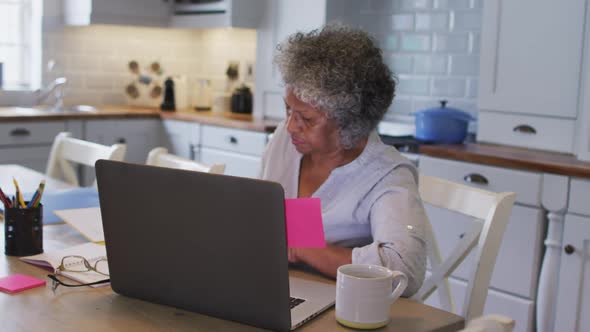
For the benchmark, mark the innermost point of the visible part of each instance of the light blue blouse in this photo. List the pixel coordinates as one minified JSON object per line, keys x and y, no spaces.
{"x":370,"y":204}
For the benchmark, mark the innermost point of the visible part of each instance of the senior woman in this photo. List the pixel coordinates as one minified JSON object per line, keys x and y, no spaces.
{"x":337,"y":89}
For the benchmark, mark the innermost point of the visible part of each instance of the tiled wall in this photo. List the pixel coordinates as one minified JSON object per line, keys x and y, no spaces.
{"x":95,"y":59}
{"x":432,"y":46}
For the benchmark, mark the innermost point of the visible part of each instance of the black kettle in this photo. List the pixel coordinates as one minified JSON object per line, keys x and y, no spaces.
{"x":241,"y":100}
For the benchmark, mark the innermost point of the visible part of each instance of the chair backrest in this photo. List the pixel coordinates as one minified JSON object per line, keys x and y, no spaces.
{"x":491,"y":211}
{"x":161,"y":157}
{"x":68,"y":151}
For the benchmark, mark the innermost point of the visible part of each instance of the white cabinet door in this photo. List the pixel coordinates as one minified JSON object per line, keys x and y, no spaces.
{"x":236,"y":164}
{"x":517,"y":308}
{"x":573,"y":299}
{"x":182,"y":138}
{"x":531,"y":56}
{"x":140,"y":136}
{"x":281,"y":19}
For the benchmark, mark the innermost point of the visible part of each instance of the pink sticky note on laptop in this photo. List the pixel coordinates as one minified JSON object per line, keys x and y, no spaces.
{"x":304,"y":223}
{"x":19,"y":282}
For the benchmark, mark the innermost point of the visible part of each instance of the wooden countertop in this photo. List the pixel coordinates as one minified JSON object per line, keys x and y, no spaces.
{"x":511,"y":157}
{"x":224,"y":119}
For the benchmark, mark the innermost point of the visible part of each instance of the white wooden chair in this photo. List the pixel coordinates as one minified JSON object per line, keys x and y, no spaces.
{"x":160,"y":157}
{"x":67,"y":151}
{"x":492,"y":212}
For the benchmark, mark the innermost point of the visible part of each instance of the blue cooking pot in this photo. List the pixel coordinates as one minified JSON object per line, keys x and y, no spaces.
{"x":442,"y":124}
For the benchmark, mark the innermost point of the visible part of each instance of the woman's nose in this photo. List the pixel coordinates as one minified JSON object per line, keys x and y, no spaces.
{"x":292,"y":125}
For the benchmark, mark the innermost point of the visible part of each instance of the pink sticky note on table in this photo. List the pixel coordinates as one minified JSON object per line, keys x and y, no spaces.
{"x":304,"y":223}
{"x":19,"y":282}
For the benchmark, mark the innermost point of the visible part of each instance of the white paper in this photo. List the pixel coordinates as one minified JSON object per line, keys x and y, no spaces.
{"x":87,"y":221}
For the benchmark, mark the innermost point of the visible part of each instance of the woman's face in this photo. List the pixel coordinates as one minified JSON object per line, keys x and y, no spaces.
{"x":310,"y":129}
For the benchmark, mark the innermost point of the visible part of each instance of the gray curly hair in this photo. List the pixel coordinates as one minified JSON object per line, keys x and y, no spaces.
{"x":340,"y":71}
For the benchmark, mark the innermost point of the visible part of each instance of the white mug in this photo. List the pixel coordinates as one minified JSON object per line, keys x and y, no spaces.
{"x":364,"y":295}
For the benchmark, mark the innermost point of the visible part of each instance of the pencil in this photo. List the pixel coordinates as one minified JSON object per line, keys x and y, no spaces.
{"x":32,"y":201}
{"x":38,"y":198}
{"x":19,"y":195}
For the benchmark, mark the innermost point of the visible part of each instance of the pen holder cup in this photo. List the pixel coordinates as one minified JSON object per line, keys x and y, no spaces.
{"x":23,"y":231}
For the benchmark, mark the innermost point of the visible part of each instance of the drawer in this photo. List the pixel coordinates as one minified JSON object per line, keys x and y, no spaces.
{"x":34,"y":157}
{"x":526,"y":185}
{"x":579,"y":193}
{"x":534,"y":132}
{"x":519,"y":258}
{"x":236,"y":140}
{"x":521,"y":310}
{"x":235,"y":164}
{"x":23,"y":133}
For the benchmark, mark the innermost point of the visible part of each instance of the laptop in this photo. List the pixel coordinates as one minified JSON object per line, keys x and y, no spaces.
{"x":212,"y":244}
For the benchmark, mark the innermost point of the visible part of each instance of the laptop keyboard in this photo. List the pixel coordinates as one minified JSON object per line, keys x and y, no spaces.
{"x":294,"y":301}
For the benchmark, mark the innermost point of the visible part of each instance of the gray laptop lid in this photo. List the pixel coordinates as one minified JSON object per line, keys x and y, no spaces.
{"x":171,"y":240}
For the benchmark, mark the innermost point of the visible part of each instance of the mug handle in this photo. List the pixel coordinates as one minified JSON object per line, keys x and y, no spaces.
{"x":401,"y":286}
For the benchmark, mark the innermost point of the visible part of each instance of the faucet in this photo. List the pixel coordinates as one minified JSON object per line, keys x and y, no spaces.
{"x":57,"y":88}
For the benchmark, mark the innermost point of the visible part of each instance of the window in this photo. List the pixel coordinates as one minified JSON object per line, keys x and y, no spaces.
{"x":20,"y":43}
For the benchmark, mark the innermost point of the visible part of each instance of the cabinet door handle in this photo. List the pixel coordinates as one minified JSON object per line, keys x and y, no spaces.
{"x":569,"y":249}
{"x":476,"y":178}
{"x":20,"y":132}
{"x":525,"y":129}
{"x":233,"y":140}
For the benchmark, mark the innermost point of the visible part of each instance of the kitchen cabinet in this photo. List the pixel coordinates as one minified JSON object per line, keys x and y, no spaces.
{"x":240,"y":150}
{"x":28,"y":143}
{"x":182,"y":138}
{"x":582,"y":139}
{"x":573,"y":297}
{"x":121,"y":12}
{"x":139,"y":135}
{"x":165,"y":13}
{"x":217,"y":14}
{"x":282,"y":18}
{"x":514,"y":281}
{"x":530,"y":65}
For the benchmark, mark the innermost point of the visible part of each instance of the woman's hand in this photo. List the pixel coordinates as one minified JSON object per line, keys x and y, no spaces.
{"x":326,"y":260}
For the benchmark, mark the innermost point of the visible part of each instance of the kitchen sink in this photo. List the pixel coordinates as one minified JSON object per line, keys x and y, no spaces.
{"x":77,"y":108}
{"x":68,"y":109}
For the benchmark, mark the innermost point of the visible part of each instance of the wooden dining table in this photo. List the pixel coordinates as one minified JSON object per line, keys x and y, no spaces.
{"x":100,"y":309}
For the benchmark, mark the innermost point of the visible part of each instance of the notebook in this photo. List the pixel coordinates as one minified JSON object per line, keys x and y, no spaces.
{"x":203,"y":242}
{"x":52,"y":259}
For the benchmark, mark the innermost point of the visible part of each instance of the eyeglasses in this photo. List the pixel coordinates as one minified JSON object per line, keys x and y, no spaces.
{"x":79,"y":264}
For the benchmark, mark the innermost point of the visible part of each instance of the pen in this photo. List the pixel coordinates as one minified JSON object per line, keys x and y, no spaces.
{"x":19,"y":195}
{"x":38,"y":198}
{"x":36,"y":194}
